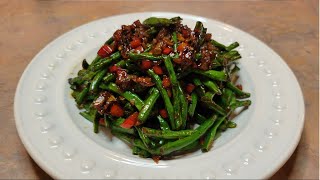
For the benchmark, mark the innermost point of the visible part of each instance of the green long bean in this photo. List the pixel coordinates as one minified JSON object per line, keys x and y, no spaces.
{"x":165,"y":97}
{"x":212,"y":74}
{"x":193,"y":104}
{"x":131,"y":97}
{"x":181,"y":143}
{"x":166,"y":134}
{"x":105,"y":61}
{"x":97,"y":79}
{"x":208,"y":141}
{"x":140,"y":56}
{"x":148,"y":105}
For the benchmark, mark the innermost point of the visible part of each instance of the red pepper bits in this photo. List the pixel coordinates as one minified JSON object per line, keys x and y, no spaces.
{"x":177,"y":60}
{"x":135,"y":43}
{"x":163,"y":113}
{"x":116,"y":110}
{"x":101,"y":122}
{"x":158,"y":70}
{"x":239,"y":86}
{"x":182,"y":46}
{"x":105,"y":51}
{"x":130,"y":121}
{"x":167,"y":50}
{"x":166,"y":82}
{"x":189,"y":88}
{"x":146,"y":64}
{"x":113,"y":69}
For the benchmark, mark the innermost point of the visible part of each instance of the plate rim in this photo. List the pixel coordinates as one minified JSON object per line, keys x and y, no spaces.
{"x":54,"y":173}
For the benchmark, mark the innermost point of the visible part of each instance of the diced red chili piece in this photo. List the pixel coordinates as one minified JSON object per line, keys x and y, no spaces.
{"x":116,"y":110}
{"x":146,"y":64}
{"x":166,"y":50}
{"x":101,"y":121}
{"x":239,"y":86}
{"x":189,"y":88}
{"x":182,"y":46}
{"x":113,"y":69}
{"x":177,"y":60}
{"x":166,"y":82}
{"x":105,"y":51}
{"x":135,"y":43}
{"x":130,"y":121}
{"x":158,"y":70}
{"x":163,"y":113}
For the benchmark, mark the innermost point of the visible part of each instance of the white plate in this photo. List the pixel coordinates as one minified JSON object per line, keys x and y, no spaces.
{"x":64,"y":145}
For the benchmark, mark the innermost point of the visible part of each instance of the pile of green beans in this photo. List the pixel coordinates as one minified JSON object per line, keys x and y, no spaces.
{"x":192,"y":120}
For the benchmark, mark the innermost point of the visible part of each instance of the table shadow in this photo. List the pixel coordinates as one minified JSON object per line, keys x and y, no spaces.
{"x":284,"y":171}
{"x":41,"y":174}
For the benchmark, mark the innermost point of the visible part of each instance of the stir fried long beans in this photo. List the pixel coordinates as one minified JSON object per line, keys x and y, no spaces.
{"x":161,"y":87}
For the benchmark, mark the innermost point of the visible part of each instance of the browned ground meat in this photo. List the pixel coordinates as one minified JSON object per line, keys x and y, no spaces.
{"x":136,"y":38}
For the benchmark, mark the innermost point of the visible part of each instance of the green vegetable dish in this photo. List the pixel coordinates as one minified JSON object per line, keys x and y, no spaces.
{"x":161,"y":87}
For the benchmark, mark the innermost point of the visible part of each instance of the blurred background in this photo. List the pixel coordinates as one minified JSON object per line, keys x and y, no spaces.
{"x":290,"y":27}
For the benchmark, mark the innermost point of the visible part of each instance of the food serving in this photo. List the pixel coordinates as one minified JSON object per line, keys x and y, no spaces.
{"x":161,"y":87}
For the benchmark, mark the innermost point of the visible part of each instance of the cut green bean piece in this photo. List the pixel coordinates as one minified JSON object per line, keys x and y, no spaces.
{"x":141,"y":152}
{"x":177,"y":102}
{"x":165,"y":97}
{"x":212,"y":74}
{"x":105,"y":61}
{"x":181,"y":143}
{"x":240,"y":94}
{"x":95,"y":60}
{"x":131,"y":97}
{"x":145,"y":55}
{"x":139,"y":143}
{"x":199,"y":118}
{"x":212,"y":86}
{"x":166,"y":134}
{"x":164,"y":126}
{"x":218,"y":45}
{"x":158,"y":22}
{"x":231,"y":124}
{"x":175,"y":41}
{"x":82,"y":95}
{"x":190,"y":148}
{"x":148,"y":105}
{"x":109,"y":41}
{"x":97,"y":79}
{"x":118,"y":121}
{"x":87,"y":116}
{"x":122,"y":130}
{"x":145,"y":139}
{"x":193,"y":104}
{"x":208,"y":141}
{"x":207,"y":101}
{"x":108,"y":77}
{"x":232,"y":46}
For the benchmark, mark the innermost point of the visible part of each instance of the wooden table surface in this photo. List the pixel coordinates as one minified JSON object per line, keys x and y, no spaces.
{"x":289,"y":27}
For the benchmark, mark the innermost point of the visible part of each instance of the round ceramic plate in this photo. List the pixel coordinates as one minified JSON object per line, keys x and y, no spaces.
{"x":63,"y":143}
